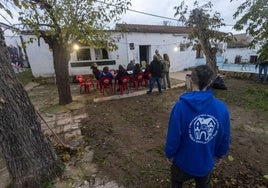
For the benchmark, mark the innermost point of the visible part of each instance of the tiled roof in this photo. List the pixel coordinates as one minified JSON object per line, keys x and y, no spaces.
{"x":241,"y":41}
{"x":137,"y":28}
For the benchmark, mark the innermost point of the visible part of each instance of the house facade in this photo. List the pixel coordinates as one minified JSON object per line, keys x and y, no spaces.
{"x":239,"y":51}
{"x":137,"y":42}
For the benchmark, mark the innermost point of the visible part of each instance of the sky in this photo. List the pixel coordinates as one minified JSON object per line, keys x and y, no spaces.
{"x":165,"y":8}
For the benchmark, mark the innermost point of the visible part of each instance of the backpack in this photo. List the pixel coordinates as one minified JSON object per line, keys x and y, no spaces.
{"x":218,"y":83}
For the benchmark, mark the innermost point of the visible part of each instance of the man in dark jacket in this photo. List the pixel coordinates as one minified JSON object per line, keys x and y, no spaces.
{"x":156,"y":68}
{"x":95,"y":70}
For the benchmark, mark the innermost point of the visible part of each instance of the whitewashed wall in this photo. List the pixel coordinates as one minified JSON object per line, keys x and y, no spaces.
{"x":165,"y":43}
{"x":41,"y":60}
{"x":231,"y":53}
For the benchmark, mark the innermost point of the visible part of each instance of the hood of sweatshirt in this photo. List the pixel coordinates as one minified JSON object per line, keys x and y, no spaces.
{"x":197,"y":100}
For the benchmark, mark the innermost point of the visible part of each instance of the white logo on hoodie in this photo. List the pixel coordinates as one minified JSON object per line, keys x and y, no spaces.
{"x":203,"y":128}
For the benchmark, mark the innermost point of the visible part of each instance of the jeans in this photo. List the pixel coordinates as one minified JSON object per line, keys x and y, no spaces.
{"x":152,"y":81}
{"x":166,"y":80}
{"x":178,"y":176}
{"x":265,"y":69}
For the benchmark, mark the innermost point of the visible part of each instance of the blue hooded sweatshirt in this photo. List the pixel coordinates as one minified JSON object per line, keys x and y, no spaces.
{"x":198,"y":131}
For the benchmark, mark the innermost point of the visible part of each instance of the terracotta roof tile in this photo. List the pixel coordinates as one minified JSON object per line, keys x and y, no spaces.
{"x":153,"y":28}
{"x":241,"y":41}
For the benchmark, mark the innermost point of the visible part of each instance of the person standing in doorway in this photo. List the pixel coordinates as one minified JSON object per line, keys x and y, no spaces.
{"x":166,"y":66}
{"x":198,"y":132}
{"x":156,"y":68}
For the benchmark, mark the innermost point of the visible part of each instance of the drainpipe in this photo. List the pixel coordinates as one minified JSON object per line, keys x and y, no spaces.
{"x":127,"y":50}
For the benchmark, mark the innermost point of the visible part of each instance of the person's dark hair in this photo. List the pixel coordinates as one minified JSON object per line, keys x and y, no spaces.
{"x":137,"y":66}
{"x":201,"y":76}
{"x":165,"y":56}
{"x":105,"y":69}
{"x":120,"y":67}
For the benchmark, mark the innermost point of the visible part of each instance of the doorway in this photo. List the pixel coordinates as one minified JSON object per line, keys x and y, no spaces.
{"x":144,"y":53}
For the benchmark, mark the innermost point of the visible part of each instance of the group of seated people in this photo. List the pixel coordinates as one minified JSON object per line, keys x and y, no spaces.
{"x":120,"y":72}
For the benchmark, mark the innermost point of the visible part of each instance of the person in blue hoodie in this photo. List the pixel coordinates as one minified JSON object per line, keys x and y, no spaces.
{"x":198,"y":132}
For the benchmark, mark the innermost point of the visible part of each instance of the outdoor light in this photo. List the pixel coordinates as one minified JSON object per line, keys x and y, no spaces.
{"x":76,"y":47}
{"x":176,"y":49}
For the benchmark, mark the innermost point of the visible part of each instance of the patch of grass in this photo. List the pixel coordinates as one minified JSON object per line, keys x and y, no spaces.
{"x":25,"y":77}
{"x":255,"y":98}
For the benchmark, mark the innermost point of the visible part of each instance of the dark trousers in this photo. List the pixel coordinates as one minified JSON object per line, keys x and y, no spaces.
{"x":178,"y":176}
{"x":152,"y":81}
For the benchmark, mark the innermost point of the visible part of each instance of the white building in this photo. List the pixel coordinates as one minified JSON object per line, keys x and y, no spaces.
{"x":137,"y":42}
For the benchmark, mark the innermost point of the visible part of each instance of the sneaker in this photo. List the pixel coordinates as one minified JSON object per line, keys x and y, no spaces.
{"x":149,"y":92}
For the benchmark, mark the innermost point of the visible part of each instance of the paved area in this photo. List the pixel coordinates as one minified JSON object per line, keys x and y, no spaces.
{"x":175,"y":75}
{"x":63,"y":128}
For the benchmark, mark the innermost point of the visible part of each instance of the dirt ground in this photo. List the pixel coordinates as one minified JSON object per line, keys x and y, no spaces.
{"x":128,"y":137}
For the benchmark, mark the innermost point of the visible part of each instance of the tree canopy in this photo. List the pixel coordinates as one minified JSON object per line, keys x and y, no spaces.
{"x":253,"y":16}
{"x":205,"y":27}
{"x":71,"y":21}
{"x":61,"y":23}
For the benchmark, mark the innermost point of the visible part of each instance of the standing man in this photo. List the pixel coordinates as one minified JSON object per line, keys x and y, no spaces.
{"x":159,"y":57}
{"x":263,"y":64}
{"x":156,"y":68}
{"x":198,"y":132}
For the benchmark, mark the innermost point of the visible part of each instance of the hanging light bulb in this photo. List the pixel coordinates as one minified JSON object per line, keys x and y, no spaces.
{"x":76,"y":47}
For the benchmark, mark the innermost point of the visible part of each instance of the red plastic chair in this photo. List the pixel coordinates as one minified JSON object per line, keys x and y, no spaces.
{"x":106,"y":82}
{"x":90,"y":83}
{"x":131,"y":81}
{"x":124,"y":84}
{"x":138,"y":81}
{"x":85,"y":83}
{"x":146,"y":78}
{"x":97,"y":84}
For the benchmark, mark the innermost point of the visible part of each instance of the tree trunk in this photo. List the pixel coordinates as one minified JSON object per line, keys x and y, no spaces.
{"x":204,"y":38}
{"x":61,"y":58}
{"x":211,"y":59}
{"x":29,"y":156}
